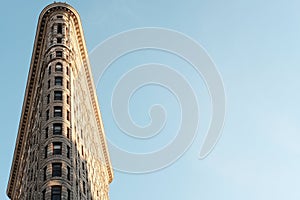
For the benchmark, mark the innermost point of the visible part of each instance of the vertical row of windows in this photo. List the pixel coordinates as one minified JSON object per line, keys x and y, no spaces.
{"x":57,"y":147}
{"x":57,"y":150}
{"x":58,"y":80}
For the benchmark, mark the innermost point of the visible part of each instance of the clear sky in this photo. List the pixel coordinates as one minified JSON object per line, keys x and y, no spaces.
{"x":256,"y":48}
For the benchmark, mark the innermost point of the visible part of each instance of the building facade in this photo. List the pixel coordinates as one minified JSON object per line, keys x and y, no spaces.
{"x":61,"y":151}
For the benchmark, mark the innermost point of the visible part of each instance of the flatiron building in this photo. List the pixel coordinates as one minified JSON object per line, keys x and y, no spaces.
{"x":61,"y":150}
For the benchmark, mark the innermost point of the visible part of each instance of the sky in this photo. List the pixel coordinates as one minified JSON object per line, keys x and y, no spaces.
{"x":255,"y":47}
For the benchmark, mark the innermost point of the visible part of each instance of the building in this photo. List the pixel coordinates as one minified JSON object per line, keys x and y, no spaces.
{"x":60,"y":152}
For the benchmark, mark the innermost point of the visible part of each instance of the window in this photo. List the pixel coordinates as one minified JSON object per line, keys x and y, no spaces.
{"x":59,"y":28}
{"x":67,"y":72}
{"x":57,"y":129}
{"x":68,"y":85}
{"x":57,"y":111}
{"x":48,"y":98}
{"x":45,"y":173}
{"x":49,"y":84}
{"x":56,"y":193}
{"x":82,"y":165}
{"x":46,"y":132}
{"x":47,"y":114}
{"x":83,"y":185}
{"x":44,"y":194}
{"x":68,"y":133}
{"x":69,"y":194}
{"x":58,"y":67}
{"x":56,"y":169}
{"x":59,"y":40}
{"x":58,"y":80}
{"x":58,"y":95}
{"x":59,"y":17}
{"x":31,"y":173}
{"x":49,"y":70}
{"x":68,"y":99}
{"x":50,"y":56}
{"x":82,"y":152}
{"x":29,"y":195}
{"x":59,"y":54}
{"x":46,"y":151}
{"x":77,"y":186}
{"x":68,"y":172}
{"x":68,"y":152}
{"x":68,"y":115}
{"x":57,"y":146}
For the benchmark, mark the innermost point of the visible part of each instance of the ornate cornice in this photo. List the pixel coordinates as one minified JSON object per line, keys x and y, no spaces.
{"x":33,"y":75}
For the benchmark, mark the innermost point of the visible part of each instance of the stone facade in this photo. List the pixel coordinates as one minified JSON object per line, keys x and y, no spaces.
{"x":60,"y":152}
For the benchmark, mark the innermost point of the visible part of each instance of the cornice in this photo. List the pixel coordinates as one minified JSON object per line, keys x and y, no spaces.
{"x":33,"y":76}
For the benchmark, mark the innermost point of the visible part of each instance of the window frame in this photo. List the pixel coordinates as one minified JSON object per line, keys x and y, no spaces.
{"x":58,"y":81}
{"x":58,"y":54}
{"x":58,"y":95}
{"x":58,"y":67}
{"x":55,"y":150}
{"x":45,"y":173}
{"x":59,"y":40}
{"x":57,"y":111}
{"x":56,"y":169}
{"x":59,"y":28}
{"x":57,"y":131}
{"x":46,"y":151}
{"x":56,"y":192}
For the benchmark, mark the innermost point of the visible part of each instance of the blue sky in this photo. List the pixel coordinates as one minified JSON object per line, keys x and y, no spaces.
{"x":254,"y":44}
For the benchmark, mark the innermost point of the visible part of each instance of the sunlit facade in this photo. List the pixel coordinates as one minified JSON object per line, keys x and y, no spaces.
{"x":61,"y":150}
